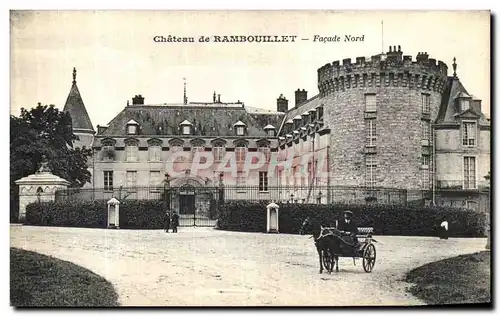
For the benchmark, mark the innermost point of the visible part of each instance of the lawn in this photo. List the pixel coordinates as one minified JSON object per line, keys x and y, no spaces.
{"x":458,"y":280}
{"x":41,"y":281}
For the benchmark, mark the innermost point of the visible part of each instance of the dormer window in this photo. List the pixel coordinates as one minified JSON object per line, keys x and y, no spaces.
{"x":464,"y":104}
{"x":240,"y":128}
{"x":320,"y":113}
{"x":132,"y":127}
{"x":296,"y":121}
{"x":186,"y":127}
{"x":270,"y":130}
{"x":463,"y":100}
{"x":305,"y":117}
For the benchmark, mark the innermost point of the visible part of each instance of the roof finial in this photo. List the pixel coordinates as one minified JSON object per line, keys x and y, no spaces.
{"x":454,"y":67}
{"x":74,"y":75}
{"x":185,"y":95}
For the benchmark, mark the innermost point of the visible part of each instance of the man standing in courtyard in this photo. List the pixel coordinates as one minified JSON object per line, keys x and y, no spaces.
{"x":443,"y":234}
{"x":175,"y":222}
{"x":166,"y":221}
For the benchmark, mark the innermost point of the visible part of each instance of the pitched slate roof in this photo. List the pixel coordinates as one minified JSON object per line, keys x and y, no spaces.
{"x":447,"y":111}
{"x":309,"y":106}
{"x":207,"y":119}
{"x":75,"y":107}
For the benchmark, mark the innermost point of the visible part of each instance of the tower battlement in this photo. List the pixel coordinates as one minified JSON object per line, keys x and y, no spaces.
{"x":392,"y":69}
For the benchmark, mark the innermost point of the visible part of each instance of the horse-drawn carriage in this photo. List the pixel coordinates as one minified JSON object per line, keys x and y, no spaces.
{"x":339,"y":247}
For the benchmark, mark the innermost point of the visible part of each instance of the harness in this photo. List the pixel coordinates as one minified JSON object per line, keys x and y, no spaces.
{"x":330,"y":233}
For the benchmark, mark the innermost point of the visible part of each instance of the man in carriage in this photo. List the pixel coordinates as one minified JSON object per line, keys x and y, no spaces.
{"x":349,"y":227}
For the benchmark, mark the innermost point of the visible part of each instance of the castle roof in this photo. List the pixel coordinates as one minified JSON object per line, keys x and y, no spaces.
{"x":448,"y":110}
{"x":208,"y":120}
{"x":309,"y":106}
{"x":76,"y":108}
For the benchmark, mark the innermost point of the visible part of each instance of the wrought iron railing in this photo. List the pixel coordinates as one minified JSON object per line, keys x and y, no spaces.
{"x":284,"y":194}
{"x":460,"y":185}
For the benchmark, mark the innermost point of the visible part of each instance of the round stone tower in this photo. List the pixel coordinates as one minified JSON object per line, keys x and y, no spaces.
{"x":380,"y":110}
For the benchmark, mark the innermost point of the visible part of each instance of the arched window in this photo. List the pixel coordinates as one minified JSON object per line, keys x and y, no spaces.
{"x":240,"y":150}
{"x":154,"y":149}
{"x":218,"y":149}
{"x":131,"y":149}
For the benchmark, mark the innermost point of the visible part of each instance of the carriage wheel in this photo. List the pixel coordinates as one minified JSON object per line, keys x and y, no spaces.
{"x":328,"y":262}
{"x":369,"y":256}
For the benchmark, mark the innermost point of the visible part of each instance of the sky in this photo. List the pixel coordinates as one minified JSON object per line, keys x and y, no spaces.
{"x":116,"y":57}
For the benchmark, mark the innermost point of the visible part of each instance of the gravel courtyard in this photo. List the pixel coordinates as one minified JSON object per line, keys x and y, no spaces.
{"x":203,"y":266}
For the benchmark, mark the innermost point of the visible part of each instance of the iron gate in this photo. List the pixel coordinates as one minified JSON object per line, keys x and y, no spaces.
{"x":196,"y":206}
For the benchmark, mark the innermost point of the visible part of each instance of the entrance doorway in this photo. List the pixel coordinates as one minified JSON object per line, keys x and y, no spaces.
{"x":186,"y":204}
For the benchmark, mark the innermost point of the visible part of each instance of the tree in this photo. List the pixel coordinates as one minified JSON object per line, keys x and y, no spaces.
{"x":45,"y":130}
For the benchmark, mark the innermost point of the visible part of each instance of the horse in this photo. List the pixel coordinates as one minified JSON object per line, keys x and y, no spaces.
{"x":327,"y":246}
{"x":330,"y":244}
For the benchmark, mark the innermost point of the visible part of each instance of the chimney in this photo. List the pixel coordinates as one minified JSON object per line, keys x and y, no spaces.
{"x":282,"y":104}
{"x":101,"y":129}
{"x":300,"y":97}
{"x":421,"y":57}
{"x":395,"y":55}
{"x":218,"y":98}
{"x":137,"y":100}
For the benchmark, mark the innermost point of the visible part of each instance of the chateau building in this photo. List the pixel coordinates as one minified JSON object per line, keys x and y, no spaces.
{"x":381,"y":122}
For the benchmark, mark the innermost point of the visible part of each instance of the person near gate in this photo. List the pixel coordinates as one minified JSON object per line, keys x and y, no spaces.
{"x":349,"y":227}
{"x":175,"y":222}
{"x":166,"y":221}
{"x":304,"y":226}
{"x":444,"y":230}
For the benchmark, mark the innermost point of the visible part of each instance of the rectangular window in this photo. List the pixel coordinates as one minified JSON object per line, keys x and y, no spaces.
{"x":154,"y":178}
{"x":469,"y":172}
{"x":320,"y":113}
{"x":472,"y":205}
{"x":464,"y":104}
{"x":131,"y":179}
{"x":426,"y":160}
{"x":108,"y":153}
{"x":177,"y":157}
{"x":371,"y":171}
{"x":240,"y":153}
{"x":310,"y":171}
{"x":370,"y":103}
{"x":194,"y":150}
{"x":315,"y":169}
{"x":218,"y":153}
{"x":240,"y":130}
{"x":240,"y":181}
{"x":469,"y":134}
{"x":426,"y":103}
{"x":426,"y":130}
{"x":131,"y":153}
{"x":266,"y":151}
{"x":108,"y":180}
{"x":425,"y":179}
{"x":263,"y":181}
{"x":186,"y":129}
{"x":371,"y":132}
{"x":132,"y":129}
{"x":155,"y":153}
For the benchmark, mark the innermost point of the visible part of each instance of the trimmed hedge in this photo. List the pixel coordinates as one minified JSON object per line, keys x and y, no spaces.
{"x":385,"y":219}
{"x":134,"y":214}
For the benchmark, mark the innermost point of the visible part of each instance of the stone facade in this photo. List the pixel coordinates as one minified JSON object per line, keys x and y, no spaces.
{"x":380,"y":122}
